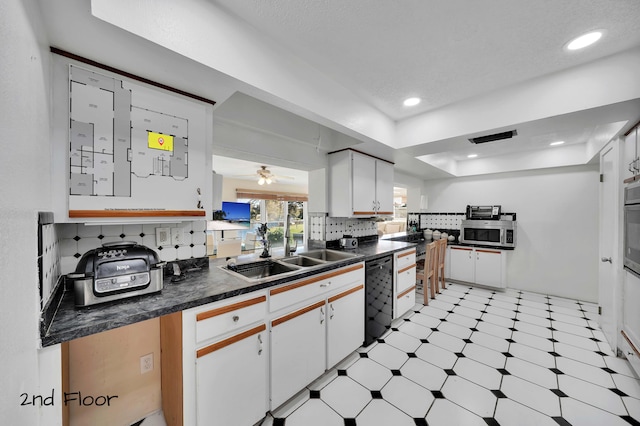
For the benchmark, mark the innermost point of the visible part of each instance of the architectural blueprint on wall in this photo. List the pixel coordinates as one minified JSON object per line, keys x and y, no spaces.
{"x":117,"y":146}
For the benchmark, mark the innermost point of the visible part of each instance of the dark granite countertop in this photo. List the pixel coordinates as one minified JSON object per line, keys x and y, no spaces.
{"x":198,"y":288}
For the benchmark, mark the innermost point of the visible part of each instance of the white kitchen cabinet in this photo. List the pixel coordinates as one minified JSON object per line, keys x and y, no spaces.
{"x":317,"y":321}
{"x":478,"y":265}
{"x":231,"y":377}
{"x":404,"y":273}
{"x":489,"y":267}
{"x":225,"y":361}
{"x":462,"y":264}
{"x":298,"y":342}
{"x":359,"y":185}
{"x":345,"y":324}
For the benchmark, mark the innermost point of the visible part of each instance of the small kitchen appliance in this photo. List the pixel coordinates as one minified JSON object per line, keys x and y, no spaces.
{"x":348,"y":242}
{"x":494,"y":233}
{"x":115,"y":271}
{"x":483,"y":212}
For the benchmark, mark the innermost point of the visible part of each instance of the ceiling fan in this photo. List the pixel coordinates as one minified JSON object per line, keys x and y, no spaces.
{"x":265,"y":175}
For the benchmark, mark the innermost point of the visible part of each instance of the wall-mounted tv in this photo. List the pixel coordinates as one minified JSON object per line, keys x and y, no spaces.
{"x":235,"y":213}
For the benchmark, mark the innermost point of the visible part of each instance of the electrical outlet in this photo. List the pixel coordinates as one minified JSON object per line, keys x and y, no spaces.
{"x":163,"y":236}
{"x":146,"y":363}
{"x":177,"y":236}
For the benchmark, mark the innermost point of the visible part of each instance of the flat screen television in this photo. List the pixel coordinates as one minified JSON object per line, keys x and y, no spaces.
{"x":236,"y":213}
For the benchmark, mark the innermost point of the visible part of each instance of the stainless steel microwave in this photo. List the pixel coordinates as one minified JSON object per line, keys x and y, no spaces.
{"x":632,"y":228}
{"x":494,"y":233}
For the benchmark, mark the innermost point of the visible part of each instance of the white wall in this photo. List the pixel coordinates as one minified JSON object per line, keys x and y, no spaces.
{"x":557,"y":212}
{"x":25,"y":189}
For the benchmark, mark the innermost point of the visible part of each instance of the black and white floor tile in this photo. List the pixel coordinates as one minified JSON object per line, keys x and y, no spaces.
{"x":477,"y":357}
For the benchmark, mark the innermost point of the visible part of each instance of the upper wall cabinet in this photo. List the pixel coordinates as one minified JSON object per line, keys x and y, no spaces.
{"x":359,"y":185}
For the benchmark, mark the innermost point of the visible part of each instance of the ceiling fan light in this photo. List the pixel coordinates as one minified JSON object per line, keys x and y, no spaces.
{"x":269,"y":181}
{"x":261,"y":181}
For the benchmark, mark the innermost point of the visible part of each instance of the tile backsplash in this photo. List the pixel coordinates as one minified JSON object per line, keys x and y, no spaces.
{"x":77,"y":238}
{"x":324,"y":228}
{"x":49,"y":257}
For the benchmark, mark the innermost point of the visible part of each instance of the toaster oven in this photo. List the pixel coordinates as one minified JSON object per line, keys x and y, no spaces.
{"x":116,"y":271}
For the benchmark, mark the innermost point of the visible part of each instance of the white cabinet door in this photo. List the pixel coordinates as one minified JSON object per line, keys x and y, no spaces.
{"x":364,"y":184}
{"x":231,"y":377}
{"x":489,"y":267}
{"x":384,"y":187}
{"x":298,"y":347}
{"x":462,"y":264}
{"x":404,"y":302}
{"x":345,"y":324}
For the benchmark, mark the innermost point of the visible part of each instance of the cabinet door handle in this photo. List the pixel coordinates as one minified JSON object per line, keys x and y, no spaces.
{"x":259,"y":344}
{"x":327,"y":284}
{"x":236,"y":318}
{"x":332,"y":310}
{"x":321,"y":315}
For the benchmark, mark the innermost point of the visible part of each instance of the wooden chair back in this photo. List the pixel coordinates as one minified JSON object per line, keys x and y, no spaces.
{"x":428,"y":273}
{"x":441,"y":253}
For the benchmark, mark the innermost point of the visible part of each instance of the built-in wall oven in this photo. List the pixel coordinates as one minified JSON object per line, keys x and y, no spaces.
{"x":632,"y":228}
{"x":494,"y":233}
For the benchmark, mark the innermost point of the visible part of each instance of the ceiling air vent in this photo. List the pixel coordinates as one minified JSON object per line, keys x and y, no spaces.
{"x":494,"y":137}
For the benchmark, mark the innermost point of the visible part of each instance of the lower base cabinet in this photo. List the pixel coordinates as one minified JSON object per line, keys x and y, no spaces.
{"x":231,"y":379}
{"x":478,"y":265}
{"x":238,"y":358}
{"x":345,"y":324}
{"x":297,"y":351}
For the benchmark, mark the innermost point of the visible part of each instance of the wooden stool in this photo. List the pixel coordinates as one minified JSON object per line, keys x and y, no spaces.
{"x":427,"y":273}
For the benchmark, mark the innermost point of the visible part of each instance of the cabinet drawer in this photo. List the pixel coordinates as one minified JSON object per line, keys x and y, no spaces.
{"x":405,"y":259}
{"x":406,"y":278}
{"x":222,"y":317}
{"x":405,"y":301}
{"x":312,"y":287}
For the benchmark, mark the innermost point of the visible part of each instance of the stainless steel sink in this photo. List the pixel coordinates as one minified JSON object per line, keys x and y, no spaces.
{"x":268,"y":269}
{"x":262,"y":269}
{"x":328,"y":255}
{"x":302,"y":261}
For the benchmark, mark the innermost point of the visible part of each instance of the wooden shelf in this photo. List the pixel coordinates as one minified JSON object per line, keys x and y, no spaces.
{"x":135,"y":213}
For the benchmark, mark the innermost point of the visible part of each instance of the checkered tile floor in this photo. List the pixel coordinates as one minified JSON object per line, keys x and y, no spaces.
{"x":477,"y":357}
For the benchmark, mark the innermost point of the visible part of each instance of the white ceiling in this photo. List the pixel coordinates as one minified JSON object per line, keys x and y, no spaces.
{"x":294,"y":73}
{"x":443,"y":51}
{"x":450,"y":51}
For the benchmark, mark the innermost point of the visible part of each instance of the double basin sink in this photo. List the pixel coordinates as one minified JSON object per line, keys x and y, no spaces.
{"x":268,"y":269}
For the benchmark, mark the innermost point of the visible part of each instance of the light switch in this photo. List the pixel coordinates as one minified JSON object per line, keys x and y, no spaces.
{"x":177,"y":236}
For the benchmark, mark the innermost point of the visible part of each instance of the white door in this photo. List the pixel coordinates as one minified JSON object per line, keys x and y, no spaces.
{"x":462,"y":264}
{"x":345,"y":324}
{"x":298,"y":351}
{"x":364,"y":184}
{"x":489,"y":267}
{"x":384,"y":187}
{"x":608,"y":237}
{"x":231,"y":378}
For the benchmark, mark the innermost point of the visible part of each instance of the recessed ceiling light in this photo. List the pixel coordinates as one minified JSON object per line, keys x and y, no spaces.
{"x":411,"y":101}
{"x":472,"y":155}
{"x":584,"y":40}
{"x":556,"y":143}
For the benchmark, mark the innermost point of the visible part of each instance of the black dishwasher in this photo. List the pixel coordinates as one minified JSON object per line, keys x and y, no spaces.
{"x":379,"y":296}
